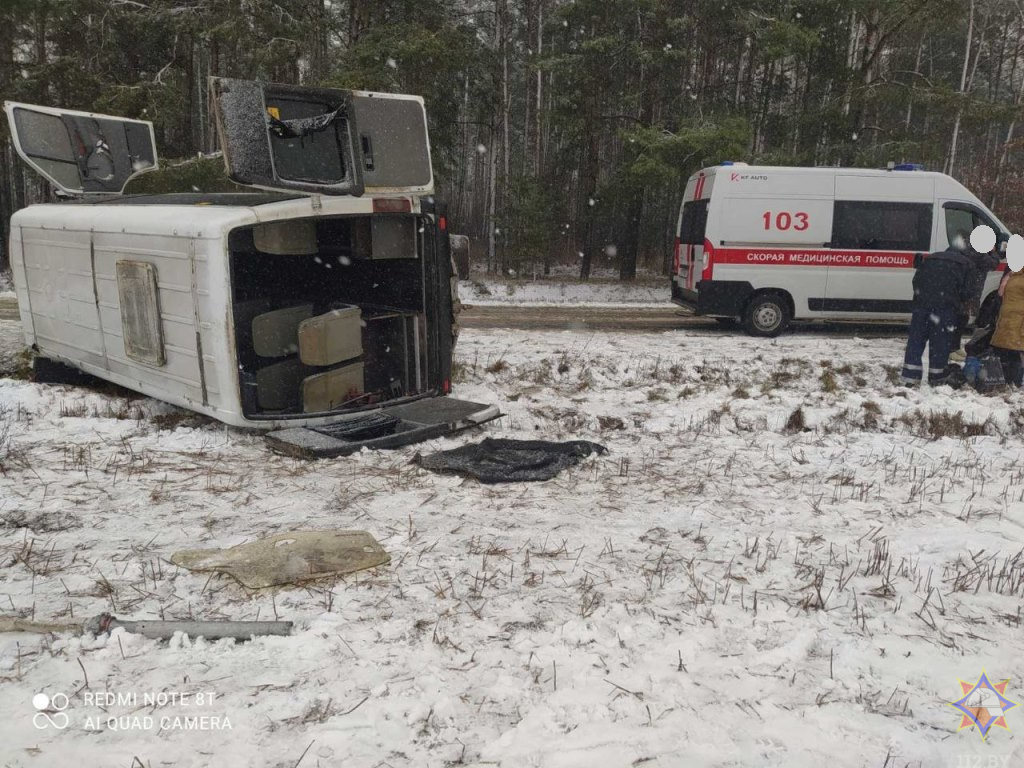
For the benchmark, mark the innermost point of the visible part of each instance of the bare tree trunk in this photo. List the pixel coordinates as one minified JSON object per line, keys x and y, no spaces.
{"x":491,"y":207}
{"x":951,"y":162}
{"x":910,"y":97}
{"x":1001,"y":167}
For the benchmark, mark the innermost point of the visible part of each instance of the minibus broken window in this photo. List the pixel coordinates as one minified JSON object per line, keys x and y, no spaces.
{"x":882,"y":226}
{"x":695,"y":220}
{"x":313,"y":155}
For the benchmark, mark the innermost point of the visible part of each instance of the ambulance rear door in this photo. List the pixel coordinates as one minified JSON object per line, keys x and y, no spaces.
{"x":690,"y":230}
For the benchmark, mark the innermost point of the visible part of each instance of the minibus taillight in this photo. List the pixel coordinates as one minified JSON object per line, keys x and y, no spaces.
{"x":386,"y":205}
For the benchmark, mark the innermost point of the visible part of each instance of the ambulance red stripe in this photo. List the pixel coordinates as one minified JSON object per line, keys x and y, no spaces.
{"x":813,"y":257}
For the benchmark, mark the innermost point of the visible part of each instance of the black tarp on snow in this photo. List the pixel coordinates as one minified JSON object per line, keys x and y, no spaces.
{"x":495,"y":460}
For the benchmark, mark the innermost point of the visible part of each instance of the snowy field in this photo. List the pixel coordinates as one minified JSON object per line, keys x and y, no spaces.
{"x":487,"y":290}
{"x":783,"y":560}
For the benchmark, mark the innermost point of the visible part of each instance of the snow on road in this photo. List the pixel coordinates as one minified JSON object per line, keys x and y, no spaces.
{"x":485,"y":290}
{"x":784,"y":560}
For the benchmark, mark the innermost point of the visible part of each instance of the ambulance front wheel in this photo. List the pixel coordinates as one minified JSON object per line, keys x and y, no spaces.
{"x":767,"y":314}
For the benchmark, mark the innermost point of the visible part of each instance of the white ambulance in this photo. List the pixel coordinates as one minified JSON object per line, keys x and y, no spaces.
{"x":767,"y":245}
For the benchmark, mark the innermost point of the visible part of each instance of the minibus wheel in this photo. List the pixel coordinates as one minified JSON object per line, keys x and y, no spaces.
{"x":767,"y":314}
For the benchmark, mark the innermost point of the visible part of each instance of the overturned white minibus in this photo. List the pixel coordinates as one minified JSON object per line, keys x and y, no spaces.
{"x":321,"y":308}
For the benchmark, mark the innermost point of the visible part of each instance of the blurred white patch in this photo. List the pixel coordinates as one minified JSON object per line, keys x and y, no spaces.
{"x":934,"y":319}
{"x":611,"y":251}
{"x":345,"y":261}
{"x":983,"y":238}
{"x":481,"y":149}
{"x":392,"y":63}
{"x":1015,"y":253}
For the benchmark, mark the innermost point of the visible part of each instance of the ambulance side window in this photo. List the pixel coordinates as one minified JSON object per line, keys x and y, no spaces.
{"x":962,"y":221}
{"x":695,"y":221}
{"x":881,"y":226}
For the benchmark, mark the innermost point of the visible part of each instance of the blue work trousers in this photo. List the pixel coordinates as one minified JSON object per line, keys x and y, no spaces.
{"x":935,"y":328}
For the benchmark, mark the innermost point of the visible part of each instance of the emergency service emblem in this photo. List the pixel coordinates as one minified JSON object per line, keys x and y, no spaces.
{"x":984,"y":704}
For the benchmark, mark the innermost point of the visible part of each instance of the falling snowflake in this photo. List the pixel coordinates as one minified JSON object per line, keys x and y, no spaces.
{"x":668,"y":46}
{"x":481,"y":149}
{"x":591,"y":202}
{"x":392,"y":63}
{"x":345,"y":261}
{"x":611,"y":251}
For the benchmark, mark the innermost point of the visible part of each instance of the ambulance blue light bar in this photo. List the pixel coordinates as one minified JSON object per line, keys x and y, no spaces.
{"x":908,"y":167}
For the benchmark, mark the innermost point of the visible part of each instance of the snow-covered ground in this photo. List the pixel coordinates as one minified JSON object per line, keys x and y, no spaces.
{"x":783,"y":560}
{"x":487,"y":290}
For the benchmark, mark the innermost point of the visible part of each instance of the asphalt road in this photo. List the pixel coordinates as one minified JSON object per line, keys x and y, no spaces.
{"x":589,"y":318}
